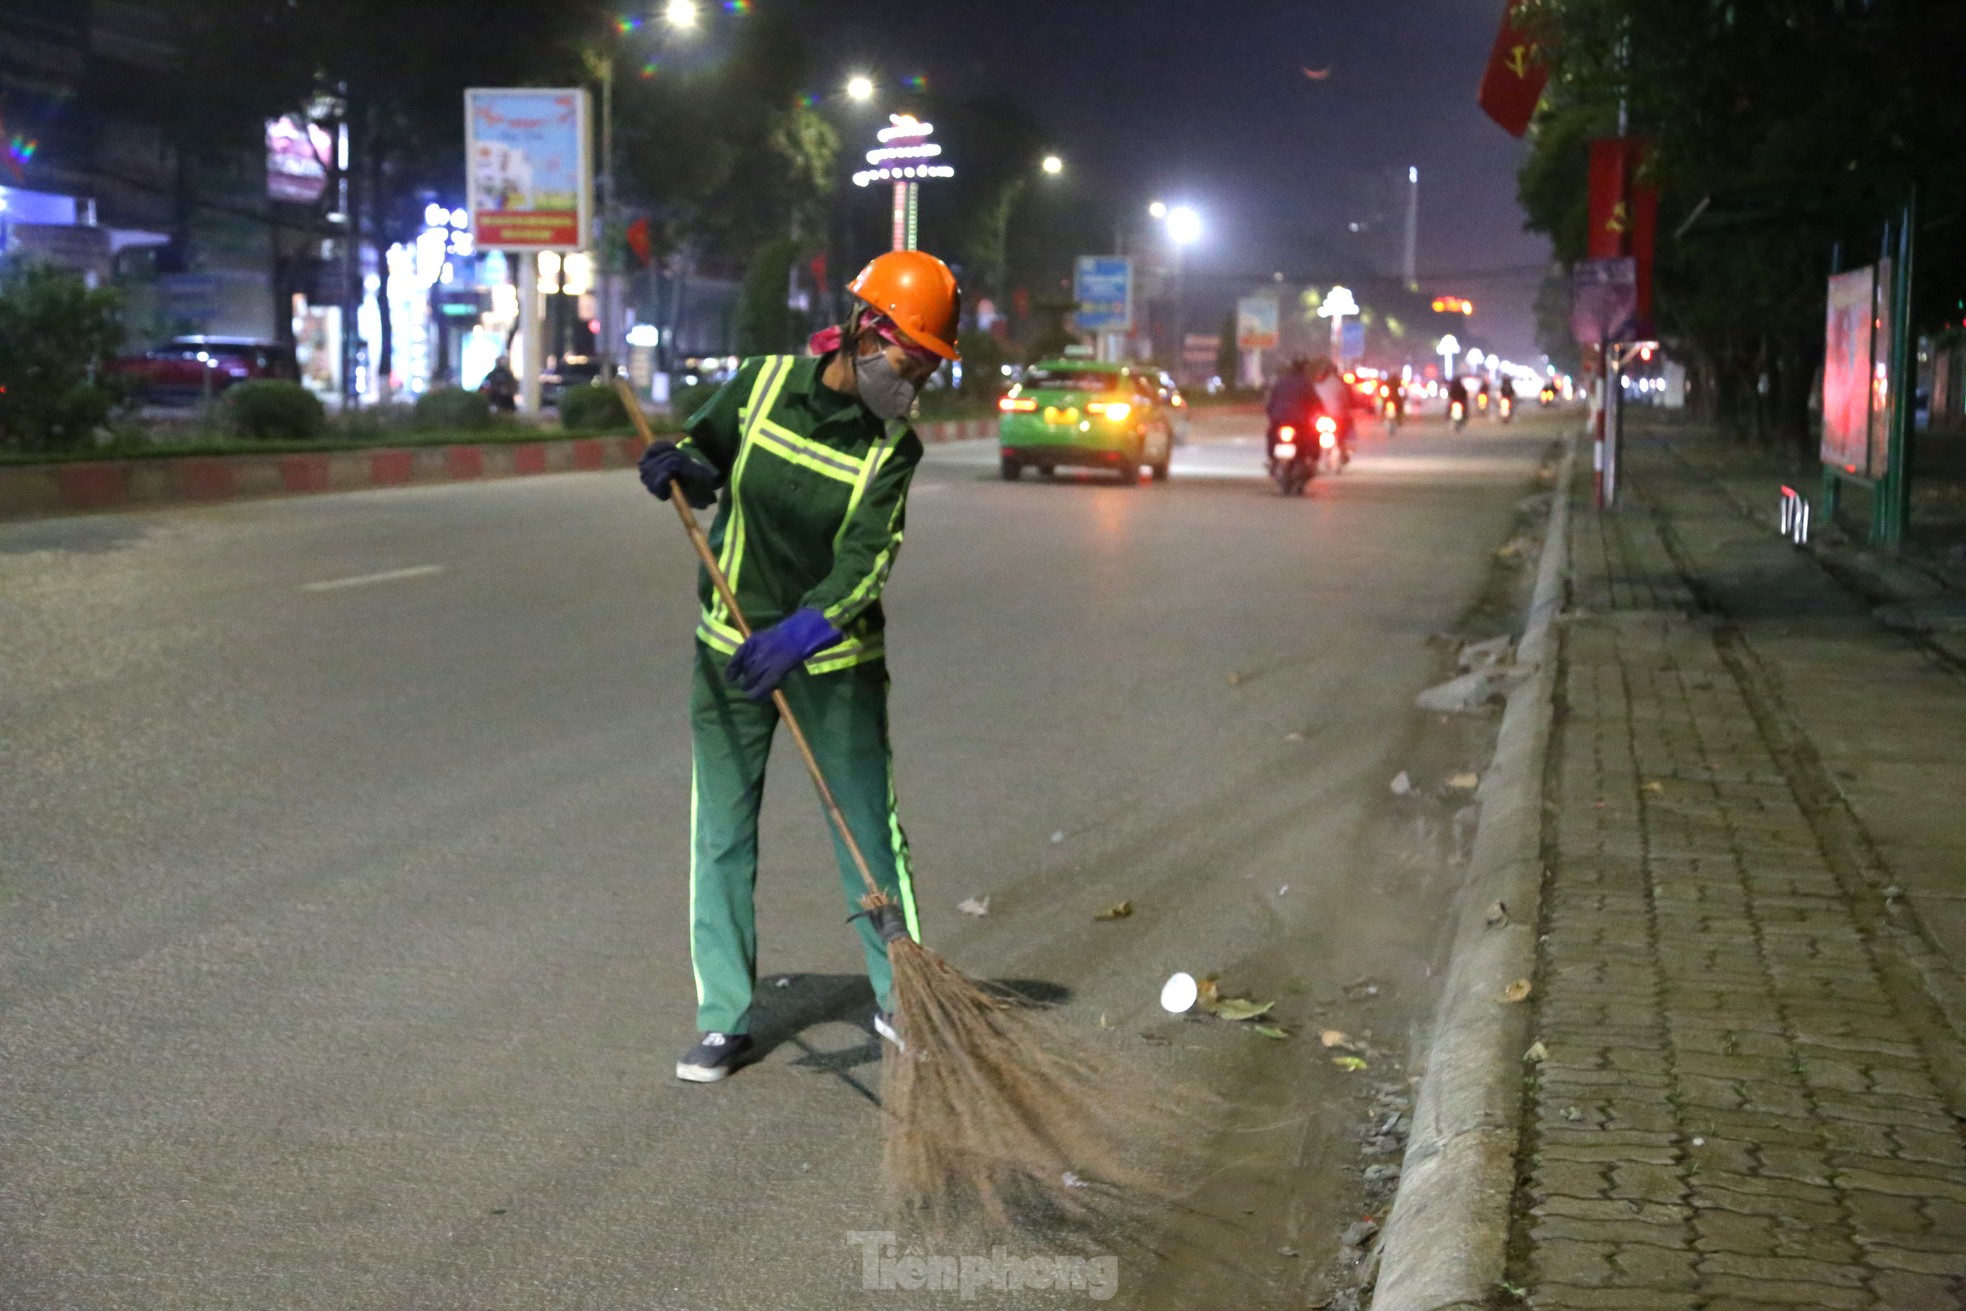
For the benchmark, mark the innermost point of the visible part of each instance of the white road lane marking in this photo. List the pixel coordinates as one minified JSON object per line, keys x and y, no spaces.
{"x":363,"y":580}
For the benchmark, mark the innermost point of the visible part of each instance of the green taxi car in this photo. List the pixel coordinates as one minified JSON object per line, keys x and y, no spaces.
{"x":1089,"y":415}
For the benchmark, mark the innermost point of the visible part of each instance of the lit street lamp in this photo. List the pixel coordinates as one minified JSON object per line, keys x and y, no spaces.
{"x":1183,"y":226}
{"x":677,"y":16}
{"x":860,"y":88}
{"x":1053,"y":165}
{"x":1338,"y":306}
{"x":1448,"y":348}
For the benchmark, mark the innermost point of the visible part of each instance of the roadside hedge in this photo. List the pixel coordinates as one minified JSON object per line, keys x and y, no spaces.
{"x":272,"y":409}
{"x":591,"y":408}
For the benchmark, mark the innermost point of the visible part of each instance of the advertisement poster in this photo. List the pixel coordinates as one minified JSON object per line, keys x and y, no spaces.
{"x":1882,"y":370}
{"x":1604,"y":301}
{"x":1848,"y":371}
{"x":529,"y":168}
{"x":297,"y":155}
{"x":1256,"y":323}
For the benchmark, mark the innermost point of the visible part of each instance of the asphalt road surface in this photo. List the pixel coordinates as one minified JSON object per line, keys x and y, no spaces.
{"x":343,"y":854}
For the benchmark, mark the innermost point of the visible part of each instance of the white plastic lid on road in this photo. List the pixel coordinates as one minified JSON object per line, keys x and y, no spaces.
{"x":1179,"y":994}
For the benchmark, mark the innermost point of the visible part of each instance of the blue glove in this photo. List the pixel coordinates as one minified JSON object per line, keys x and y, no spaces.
{"x":771,"y":653}
{"x":663,"y":461}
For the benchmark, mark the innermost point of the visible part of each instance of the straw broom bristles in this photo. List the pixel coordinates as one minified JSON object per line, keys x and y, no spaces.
{"x":994,"y":1108}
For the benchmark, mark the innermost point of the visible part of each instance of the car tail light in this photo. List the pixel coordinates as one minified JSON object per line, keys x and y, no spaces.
{"x":1326,"y":425}
{"x":1327,"y":440}
{"x":1113,"y":410}
{"x":1286,"y":450}
{"x":1286,"y":433}
{"x":1017,"y":404}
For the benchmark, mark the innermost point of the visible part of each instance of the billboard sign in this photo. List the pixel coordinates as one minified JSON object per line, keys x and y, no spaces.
{"x":297,"y":155}
{"x":1351,"y":339}
{"x":1848,"y":368}
{"x":529,"y":168}
{"x":1256,"y":323}
{"x":1103,"y":287}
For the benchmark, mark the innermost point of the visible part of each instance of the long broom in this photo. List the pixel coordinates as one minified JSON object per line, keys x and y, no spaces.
{"x":991,"y":1106}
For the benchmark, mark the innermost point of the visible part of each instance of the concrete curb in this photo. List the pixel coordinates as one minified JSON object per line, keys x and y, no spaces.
{"x":1446,"y":1240}
{"x":87,"y":486}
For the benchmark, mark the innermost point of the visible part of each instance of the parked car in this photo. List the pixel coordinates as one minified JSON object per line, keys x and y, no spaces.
{"x":1078,"y":412}
{"x":184,"y":370}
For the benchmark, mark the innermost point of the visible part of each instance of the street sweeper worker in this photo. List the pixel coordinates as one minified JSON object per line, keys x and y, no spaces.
{"x":813,"y":455}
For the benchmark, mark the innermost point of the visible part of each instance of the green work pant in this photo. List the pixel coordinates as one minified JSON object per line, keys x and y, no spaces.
{"x":844,"y":715}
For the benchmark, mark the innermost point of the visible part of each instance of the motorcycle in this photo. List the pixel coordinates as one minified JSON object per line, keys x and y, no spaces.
{"x":1505,"y":409}
{"x":1457,"y":414}
{"x":1389,"y":410}
{"x":1331,"y":453}
{"x":1297,"y":457}
{"x":1547,"y":396}
{"x":1288,"y":463}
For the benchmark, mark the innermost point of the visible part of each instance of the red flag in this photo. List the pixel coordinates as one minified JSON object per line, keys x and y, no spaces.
{"x":1608,"y":209}
{"x":1645,"y":226}
{"x":640,"y":239}
{"x":1623,"y":214}
{"x":1514,"y":79}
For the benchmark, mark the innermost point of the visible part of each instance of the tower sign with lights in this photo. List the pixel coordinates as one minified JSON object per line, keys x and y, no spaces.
{"x":905,"y":157}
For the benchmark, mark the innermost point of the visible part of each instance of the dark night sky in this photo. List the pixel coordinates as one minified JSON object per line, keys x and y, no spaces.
{"x":1207,"y":102}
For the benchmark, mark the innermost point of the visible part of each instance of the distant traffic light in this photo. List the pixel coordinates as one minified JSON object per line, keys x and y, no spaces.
{"x":1453,"y":305}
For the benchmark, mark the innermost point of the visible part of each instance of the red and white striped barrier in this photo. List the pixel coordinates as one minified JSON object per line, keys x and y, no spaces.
{"x":84,"y":485}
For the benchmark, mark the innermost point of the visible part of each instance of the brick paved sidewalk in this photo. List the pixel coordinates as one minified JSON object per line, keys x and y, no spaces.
{"x":1745,"y":1100}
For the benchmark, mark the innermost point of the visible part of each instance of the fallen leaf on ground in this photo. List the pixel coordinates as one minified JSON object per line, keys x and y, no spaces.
{"x":974,"y":906}
{"x":1466,"y":782}
{"x":1352,"y":1063}
{"x":1241,"y":1008}
{"x":1207,"y":995}
{"x":1293,"y":737}
{"x":1235,"y":680}
{"x":1335,"y":1038}
{"x":1653,"y":786}
{"x":1517,"y":991}
{"x":1117,"y":911}
{"x":1269,"y":1031}
{"x":1498,"y":914}
{"x":1536,"y":1052}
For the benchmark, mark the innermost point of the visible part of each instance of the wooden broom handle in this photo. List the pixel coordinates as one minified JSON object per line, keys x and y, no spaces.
{"x":722,"y":584}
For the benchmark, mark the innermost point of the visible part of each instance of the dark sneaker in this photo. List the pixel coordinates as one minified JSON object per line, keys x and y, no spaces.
{"x":714,"y":1057}
{"x":884,"y":1025}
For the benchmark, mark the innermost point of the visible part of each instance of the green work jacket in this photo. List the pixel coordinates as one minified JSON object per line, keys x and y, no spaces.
{"x":814,"y":500}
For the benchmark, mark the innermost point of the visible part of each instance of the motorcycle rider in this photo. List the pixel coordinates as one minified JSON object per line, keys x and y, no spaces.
{"x":1457,"y":393}
{"x":1335,"y":396}
{"x":1290,"y":402}
{"x":1392,"y":400}
{"x":500,"y":387}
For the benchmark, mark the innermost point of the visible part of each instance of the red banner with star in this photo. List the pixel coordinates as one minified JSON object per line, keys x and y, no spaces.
{"x":1513,"y":82}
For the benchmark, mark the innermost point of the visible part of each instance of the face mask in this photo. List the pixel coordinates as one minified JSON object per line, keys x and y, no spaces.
{"x":882,"y":388}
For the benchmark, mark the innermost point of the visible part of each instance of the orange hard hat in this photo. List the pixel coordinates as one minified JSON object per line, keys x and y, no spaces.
{"x":918,"y":292}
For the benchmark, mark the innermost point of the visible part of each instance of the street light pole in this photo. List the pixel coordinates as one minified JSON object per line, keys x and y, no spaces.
{"x":610,"y":316}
